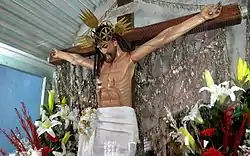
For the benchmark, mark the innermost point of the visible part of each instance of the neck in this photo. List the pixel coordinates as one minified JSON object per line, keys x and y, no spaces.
{"x":119,"y":51}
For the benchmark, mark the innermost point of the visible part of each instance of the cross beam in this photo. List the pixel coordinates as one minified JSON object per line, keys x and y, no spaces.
{"x":230,"y":15}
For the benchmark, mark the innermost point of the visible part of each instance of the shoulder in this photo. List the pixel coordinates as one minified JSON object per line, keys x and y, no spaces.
{"x":130,"y":56}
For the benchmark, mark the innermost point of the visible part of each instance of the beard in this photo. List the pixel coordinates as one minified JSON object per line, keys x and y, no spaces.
{"x":110,"y":56}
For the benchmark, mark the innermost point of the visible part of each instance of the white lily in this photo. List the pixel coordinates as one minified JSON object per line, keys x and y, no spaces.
{"x":46,"y":126}
{"x":65,"y":114}
{"x":63,"y":153}
{"x":43,"y":114}
{"x":205,"y":143}
{"x":194,"y":115}
{"x":13,"y":154}
{"x":33,"y":152}
{"x":221,"y":90}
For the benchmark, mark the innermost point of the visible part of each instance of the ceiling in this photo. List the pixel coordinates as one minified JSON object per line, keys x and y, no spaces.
{"x":37,"y":26}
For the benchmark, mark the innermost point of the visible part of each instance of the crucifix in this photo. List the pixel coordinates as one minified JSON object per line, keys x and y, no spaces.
{"x":115,"y":59}
{"x":230,"y":15}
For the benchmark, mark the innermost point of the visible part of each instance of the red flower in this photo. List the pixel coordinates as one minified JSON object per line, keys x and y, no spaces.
{"x":3,"y":152}
{"x":212,"y":152}
{"x":208,"y":132}
{"x":46,"y":150}
{"x":51,"y":138}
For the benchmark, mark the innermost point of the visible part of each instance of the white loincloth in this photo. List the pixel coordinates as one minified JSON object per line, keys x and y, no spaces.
{"x":116,"y":133}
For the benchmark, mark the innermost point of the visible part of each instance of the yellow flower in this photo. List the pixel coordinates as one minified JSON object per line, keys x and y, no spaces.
{"x":208,"y":78}
{"x":189,"y":140}
{"x":66,"y":138}
{"x":242,"y":70}
{"x":248,"y":75}
{"x":239,"y":69}
{"x":51,"y":100}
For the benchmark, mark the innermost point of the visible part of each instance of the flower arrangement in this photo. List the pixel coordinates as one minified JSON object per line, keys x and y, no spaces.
{"x":57,"y":127}
{"x":87,"y":122}
{"x":28,"y":145}
{"x":55,"y":133}
{"x":221,"y":126}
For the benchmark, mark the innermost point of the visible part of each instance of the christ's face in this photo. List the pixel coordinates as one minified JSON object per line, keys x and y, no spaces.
{"x":109,"y":49}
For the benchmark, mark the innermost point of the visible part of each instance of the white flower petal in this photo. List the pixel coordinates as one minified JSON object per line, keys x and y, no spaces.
{"x":75,"y":125}
{"x":186,"y":141}
{"x":205,"y":105}
{"x":213,"y":99}
{"x":236,"y":88}
{"x":13,"y":154}
{"x":225,"y":83}
{"x":72,"y":116}
{"x":60,"y":106}
{"x":44,"y":115}
{"x":232,"y":96}
{"x":66,"y":124}
{"x":64,"y":149}
{"x":205,"y":88}
{"x":38,"y":123}
{"x":70,"y":154}
{"x":205,"y":142}
{"x":57,"y":153}
{"x":40,"y":131}
{"x":67,"y":109}
{"x":186,"y":118}
{"x":51,"y":132}
{"x":195,"y":109}
{"x":55,"y":115}
{"x":54,"y":123}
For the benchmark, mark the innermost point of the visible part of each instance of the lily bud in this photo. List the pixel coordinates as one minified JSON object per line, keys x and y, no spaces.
{"x":51,"y":100}
{"x":189,"y":140}
{"x":242,"y":70}
{"x":64,"y":101}
{"x":66,"y":138}
{"x":208,"y":78}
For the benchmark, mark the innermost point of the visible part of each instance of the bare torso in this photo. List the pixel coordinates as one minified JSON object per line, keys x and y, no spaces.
{"x":116,"y":79}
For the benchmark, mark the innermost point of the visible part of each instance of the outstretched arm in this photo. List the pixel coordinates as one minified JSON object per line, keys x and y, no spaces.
{"x":172,"y":33}
{"x":75,"y":59}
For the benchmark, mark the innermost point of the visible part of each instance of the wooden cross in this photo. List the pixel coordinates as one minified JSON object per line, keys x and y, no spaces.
{"x":230,"y":15}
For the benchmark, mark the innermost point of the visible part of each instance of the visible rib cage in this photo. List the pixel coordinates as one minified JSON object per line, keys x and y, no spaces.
{"x":116,"y":82}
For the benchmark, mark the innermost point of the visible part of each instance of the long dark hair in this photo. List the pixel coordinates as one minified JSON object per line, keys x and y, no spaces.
{"x":99,"y":58}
